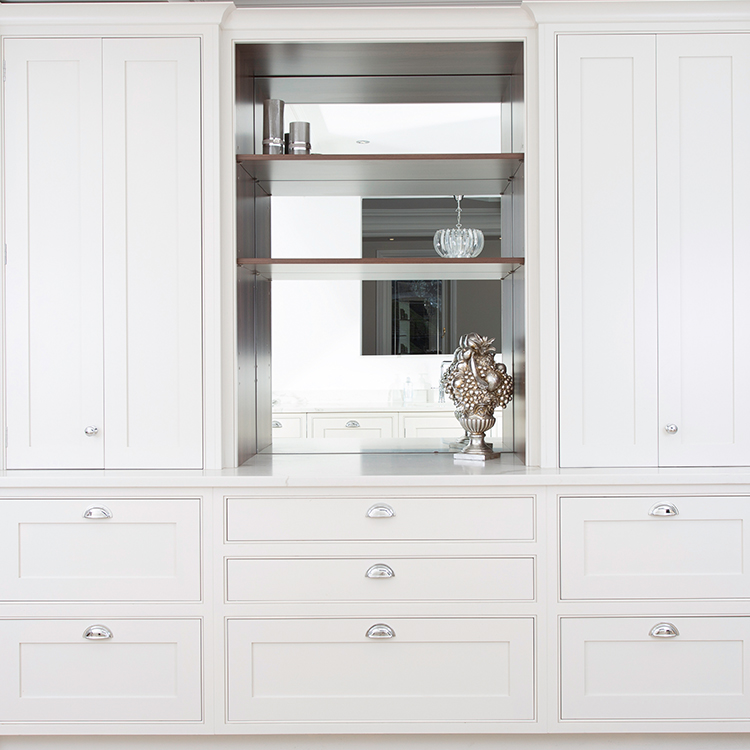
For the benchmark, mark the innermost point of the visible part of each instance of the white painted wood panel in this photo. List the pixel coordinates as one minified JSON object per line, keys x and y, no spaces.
{"x":149,"y":550}
{"x":153,"y":253}
{"x":431,"y":426}
{"x":704,"y":249}
{"x":293,"y":519}
{"x":150,"y":670}
{"x":352,"y":425}
{"x":412,"y":579}
{"x":431,"y":670}
{"x":289,"y":425}
{"x":53,"y":230}
{"x":613,"y":669}
{"x":611,"y":548}
{"x":607,"y":250}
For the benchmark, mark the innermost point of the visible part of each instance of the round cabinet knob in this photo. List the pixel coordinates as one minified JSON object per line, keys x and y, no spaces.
{"x":91,"y":430}
{"x":671,"y":428}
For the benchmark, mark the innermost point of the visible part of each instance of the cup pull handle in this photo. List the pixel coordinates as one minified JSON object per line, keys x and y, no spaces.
{"x":353,"y":423}
{"x":381,"y":510}
{"x":97,"y":511}
{"x":380,"y":570}
{"x":380,"y":631}
{"x":664,"y":630}
{"x":97,"y":633}
{"x":664,"y":509}
{"x":276,"y":424}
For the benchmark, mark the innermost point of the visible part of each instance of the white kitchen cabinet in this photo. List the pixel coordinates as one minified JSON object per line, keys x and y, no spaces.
{"x":103,"y":232}
{"x":639,"y":388}
{"x":352,"y":425}
{"x":651,"y":668}
{"x":100,"y":670}
{"x":363,"y":670}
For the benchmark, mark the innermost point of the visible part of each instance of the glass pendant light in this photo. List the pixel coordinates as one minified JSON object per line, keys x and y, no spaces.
{"x":458,"y":241}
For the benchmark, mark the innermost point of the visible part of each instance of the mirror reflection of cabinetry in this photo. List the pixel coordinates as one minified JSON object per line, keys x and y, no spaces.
{"x":323,"y":348}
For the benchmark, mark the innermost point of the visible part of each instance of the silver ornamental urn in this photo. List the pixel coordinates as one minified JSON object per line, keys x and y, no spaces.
{"x":477,"y":385}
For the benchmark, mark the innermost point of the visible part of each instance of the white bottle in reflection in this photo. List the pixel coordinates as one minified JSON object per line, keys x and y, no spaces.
{"x":408,"y":391}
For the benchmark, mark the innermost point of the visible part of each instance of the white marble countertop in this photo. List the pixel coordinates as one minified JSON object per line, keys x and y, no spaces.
{"x":377,"y":470}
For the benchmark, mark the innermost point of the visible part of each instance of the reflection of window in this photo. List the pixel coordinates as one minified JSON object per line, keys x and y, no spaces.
{"x":418,"y":320}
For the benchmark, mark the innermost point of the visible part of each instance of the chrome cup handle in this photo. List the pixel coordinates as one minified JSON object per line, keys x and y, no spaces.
{"x":97,"y":511}
{"x":98,"y":633}
{"x":380,"y":631}
{"x":381,"y":510}
{"x":664,"y":630}
{"x":664,"y":509}
{"x":380,"y":570}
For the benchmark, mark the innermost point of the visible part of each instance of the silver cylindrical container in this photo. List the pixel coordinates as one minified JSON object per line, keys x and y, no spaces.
{"x":299,"y":138}
{"x":273,"y":126}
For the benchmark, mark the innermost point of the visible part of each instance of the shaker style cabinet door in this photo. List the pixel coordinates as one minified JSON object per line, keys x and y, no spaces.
{"x":53,"y":234}
{"x":607,"y":250}
{"x":103,"y":227}
{"x":703,"y":99}
{"x":152,"y":254}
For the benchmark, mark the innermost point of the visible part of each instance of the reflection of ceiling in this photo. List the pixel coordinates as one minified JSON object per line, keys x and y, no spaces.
{"x":435,"y":128}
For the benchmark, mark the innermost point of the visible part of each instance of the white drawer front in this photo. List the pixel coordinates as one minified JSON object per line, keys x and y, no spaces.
{"x":430,"y":670}
{"x":352,"y":426}
{"x":288,"y":426}
{"x":391,"y":579}
{"x":147,"y":550}
{"x":297,"y":519}
{"x":613,"y":669}
{"x":431,"y":426}
{"x":149,"y":670}
{"x":612,"y":548}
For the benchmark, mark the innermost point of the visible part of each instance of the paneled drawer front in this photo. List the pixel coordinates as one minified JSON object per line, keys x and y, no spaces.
{"x":296,"y":519}
{"x":429,"y":670}
{"x":431,"y":426}
{"x":613,"y":669}
{"x":391,"y":579}
{"x":352,"y":426}
{"x":128,"y":550}
{"x":288,"y":425}
{"x":148,"y":670}
{"x":639,"y":548}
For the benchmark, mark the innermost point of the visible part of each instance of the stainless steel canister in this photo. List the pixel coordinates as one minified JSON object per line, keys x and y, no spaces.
{"x":273,"y":126}
{"x":299,"y":138}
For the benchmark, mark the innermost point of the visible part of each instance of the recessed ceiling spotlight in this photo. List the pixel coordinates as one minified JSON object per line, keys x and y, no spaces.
{"x":363,"y":141}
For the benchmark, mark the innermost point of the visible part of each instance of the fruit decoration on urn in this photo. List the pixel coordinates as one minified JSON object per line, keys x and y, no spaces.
{"x":477,"y":385}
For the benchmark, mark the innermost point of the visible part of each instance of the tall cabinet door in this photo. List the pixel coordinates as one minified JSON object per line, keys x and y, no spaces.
{"x":53,"y":231}
{"x":704,"y":249}
{"x":607,"y":250}
{"x":152,"y":253}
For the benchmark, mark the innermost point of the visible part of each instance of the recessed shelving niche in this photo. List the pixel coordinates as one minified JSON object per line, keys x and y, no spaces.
{"x":485,"y":162}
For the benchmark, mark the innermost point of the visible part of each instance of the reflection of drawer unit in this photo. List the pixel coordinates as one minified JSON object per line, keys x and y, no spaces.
{"x":654,"y":548}
{"x":357,"y":518}
{"x":430,"y":425}
{"x":397,"y":670}
{"x":100,"y":670}
{"x":633,"y":668}
{"x":386,"y":579}
{"x":100,"y":550}
{"x":289,"y":426}
{"x":344,"y":425}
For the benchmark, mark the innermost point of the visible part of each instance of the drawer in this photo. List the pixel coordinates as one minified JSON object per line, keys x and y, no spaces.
{"x":440,"y":670}
{"x":129,"y":550}
{"x":352,"y":425}
{"x":394,"y":518}
{"x":380,"y":580}
{"x":621,"y":548}
{"x":288,"y":426}
{"x":431,"y":426}
{"x":613,"y":669}
{"x":149,"y":670}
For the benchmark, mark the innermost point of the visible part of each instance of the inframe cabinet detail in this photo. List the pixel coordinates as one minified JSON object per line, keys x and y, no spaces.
{"x":651,"y":364}
{"x":103,"y":233}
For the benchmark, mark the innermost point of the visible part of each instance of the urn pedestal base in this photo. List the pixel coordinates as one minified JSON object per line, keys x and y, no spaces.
{"x":477,"y":449}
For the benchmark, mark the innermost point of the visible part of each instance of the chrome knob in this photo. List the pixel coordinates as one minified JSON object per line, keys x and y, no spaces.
{"x":90,"y":431}
{"x":97,"y":511}
{"x":98,"y":633}
{"x":381,"y":510}
{"x":671,"y":428}
{"x":380,"y":631}
{"x":352,"y":423}
{"x":664,"y":630}
{"x":380,"y":571}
